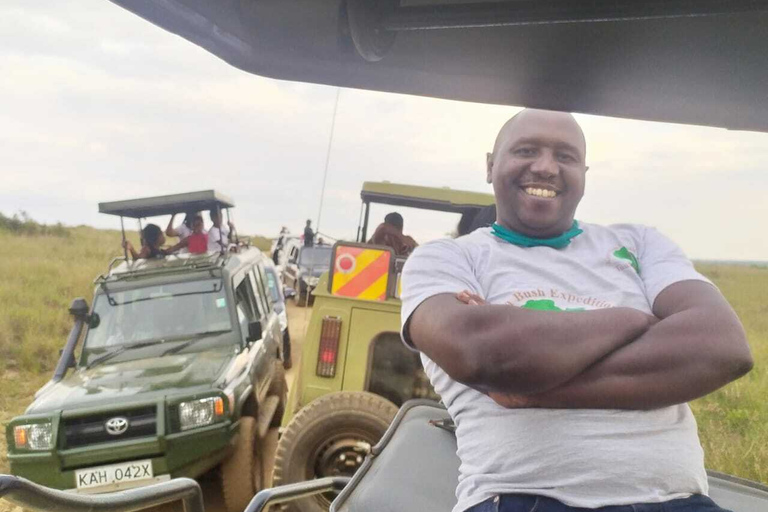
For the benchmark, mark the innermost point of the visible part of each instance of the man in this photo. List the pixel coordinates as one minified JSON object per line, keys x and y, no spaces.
{"x":184,"y":229}
{"x":309,"y":235}
{"x":218,"y":235}
{"x":566,"y":352}
{"x":390,"y":233}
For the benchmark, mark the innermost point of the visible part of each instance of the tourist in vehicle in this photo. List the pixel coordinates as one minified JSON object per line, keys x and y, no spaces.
{"x":279,"y":244}
{"x":196,"y":242}
{"x":309,"y":235}
{"x":390,"y":233}
{"x":566,"y":352}
{"x":152,"y":240}
{"x":218,"y":235}
{"x":184,"y":229}
{"x":470,"y":221}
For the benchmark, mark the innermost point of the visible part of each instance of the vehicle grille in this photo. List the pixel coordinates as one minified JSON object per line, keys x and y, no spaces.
{"x":90,"y":430}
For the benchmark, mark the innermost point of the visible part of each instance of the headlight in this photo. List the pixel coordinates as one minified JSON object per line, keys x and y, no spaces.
{"x":38,"y":436}
{"x":199,"y":413}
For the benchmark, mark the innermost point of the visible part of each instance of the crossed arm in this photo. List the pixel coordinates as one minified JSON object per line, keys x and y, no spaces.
{"x":616,"y":358}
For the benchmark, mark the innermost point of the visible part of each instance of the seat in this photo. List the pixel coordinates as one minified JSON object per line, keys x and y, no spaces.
{"x":414,"y":468}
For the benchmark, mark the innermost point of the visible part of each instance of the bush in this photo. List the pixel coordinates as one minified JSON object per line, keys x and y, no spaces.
{"x":22,"y":224}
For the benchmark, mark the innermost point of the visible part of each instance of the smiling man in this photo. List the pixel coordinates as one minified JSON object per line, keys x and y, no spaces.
{"x":564,"y":351}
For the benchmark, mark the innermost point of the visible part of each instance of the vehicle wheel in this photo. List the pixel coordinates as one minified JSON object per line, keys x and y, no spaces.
{"x":287,"y":361}
{"x":242,"y":473}
{"x":278,"y":387}
{"x":330,"y":437}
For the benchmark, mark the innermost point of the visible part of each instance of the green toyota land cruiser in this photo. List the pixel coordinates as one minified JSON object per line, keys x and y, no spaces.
{"x":180,"y":371}
{"x":355,"y":371}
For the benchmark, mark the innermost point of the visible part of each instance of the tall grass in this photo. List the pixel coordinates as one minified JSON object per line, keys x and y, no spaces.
{"x":733,"y":421}
{"x":41,"y":273}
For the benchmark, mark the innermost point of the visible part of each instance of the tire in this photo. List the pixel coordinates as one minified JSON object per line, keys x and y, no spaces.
{"x":287,"y":360}
{"x":278,"y":387}
{"x":330,"y":437}
{"x":242,"y":473}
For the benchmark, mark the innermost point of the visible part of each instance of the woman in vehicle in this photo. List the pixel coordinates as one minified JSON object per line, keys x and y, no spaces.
{"x":152,"y":240}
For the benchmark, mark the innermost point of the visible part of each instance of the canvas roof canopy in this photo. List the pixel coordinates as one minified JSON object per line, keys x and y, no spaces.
{"x":167,"y":205}
{"x":431,"y":198}
{"x":696,"y":62}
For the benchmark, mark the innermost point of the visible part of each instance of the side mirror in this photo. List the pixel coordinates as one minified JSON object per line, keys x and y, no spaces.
{"x":289,"y":292}
{"x":254,"y":331}
{"x":93,"y":320}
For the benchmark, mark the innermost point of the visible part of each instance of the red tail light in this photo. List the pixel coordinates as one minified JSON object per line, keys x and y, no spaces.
{"x":329,"y":346}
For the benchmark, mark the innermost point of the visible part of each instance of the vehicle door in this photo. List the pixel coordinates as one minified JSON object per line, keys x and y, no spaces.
{"x":270,"y":325}
{"x":248,"y":313}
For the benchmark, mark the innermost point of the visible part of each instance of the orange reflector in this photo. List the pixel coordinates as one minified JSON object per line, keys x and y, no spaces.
{"x":20,"y":436}
{"x":218,"y":407}
{"x":329,"y":346}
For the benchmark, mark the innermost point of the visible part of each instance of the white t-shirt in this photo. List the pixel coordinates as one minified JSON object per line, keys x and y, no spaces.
{"x":183,"y":231}
{"x":582,"y":457}
{"x":215,"y":235}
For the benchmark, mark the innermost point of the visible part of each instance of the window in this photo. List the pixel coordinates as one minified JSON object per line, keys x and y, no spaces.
{"x":261,"y":301}
{"x":245,"y":303}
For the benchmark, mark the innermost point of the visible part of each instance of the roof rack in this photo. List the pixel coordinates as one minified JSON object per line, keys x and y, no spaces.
{"x":171,"y":264}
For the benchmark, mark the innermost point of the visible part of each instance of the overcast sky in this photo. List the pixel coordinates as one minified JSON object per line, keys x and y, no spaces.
{"x":97,"y":104}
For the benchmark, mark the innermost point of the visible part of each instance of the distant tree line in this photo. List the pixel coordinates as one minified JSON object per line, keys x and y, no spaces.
{"x":22,"y":224}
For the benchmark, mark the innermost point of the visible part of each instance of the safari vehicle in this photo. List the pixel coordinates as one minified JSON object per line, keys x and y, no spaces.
{"x":303,"y":268}
{"x":355,"y":370}
{"x":180,"y":371}
{"x":640,"y":59}
{"x":279,"y":294}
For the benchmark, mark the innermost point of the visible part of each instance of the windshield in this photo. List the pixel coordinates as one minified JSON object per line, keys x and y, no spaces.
{"x":315,"y":257}
{"x":159,"y":312}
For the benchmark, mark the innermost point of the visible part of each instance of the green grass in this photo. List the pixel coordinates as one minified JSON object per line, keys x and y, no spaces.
{"x":42,"y":273}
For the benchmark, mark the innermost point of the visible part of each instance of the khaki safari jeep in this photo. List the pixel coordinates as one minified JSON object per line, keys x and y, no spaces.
{"x":355,"y":371}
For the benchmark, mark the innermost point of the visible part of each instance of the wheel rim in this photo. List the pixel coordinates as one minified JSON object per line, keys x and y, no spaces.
{"x":341,"y":454}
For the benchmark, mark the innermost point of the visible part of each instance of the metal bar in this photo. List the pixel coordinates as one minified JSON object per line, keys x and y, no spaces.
{"x":365,"y":223}
{"x":23,"y":493}
{"x":122,"y":230}
{"x":533,"y":12}
{"x":292,"y":492}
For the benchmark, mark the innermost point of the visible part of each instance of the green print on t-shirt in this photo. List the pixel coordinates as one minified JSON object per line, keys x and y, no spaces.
{"x":625,"y":254}
{"x":547,"y":305}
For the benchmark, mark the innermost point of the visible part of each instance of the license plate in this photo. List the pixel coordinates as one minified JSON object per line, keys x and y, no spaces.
{"x":113,"y":474}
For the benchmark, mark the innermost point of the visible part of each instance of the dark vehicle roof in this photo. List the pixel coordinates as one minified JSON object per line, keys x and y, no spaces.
{"x":430,"y":198}
{"x":700,"y":62}
{"x":167,"y":205}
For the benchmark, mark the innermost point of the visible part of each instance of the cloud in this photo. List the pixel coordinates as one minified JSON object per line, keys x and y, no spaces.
{"x":97,"y":104}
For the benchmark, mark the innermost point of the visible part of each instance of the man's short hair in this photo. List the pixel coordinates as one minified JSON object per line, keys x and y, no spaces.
{"x":394,"y":219}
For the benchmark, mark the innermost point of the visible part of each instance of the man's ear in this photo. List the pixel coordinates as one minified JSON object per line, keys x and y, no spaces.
{"x":488,"y":167}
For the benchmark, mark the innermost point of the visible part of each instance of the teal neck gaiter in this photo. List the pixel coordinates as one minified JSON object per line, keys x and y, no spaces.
{"x":521,"y":240}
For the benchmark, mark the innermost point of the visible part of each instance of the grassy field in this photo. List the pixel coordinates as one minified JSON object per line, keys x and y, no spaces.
{"x":43,"y":271}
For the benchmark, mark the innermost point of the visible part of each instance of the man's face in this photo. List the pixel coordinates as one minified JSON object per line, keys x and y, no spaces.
{"x":197,"y":225}
{"x":538,"y":172}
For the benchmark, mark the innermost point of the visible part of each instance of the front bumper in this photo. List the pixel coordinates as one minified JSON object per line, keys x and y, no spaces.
{"x":183,"y":454}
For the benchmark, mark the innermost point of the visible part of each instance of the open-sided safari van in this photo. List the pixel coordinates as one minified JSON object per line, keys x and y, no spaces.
{"x":700,"y":62}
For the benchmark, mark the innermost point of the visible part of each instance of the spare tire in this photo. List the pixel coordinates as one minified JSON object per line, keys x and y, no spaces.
{"x":330,"y":437}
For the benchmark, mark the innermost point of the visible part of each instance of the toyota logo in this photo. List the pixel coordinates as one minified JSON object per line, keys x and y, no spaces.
{"x":116,"y":426}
